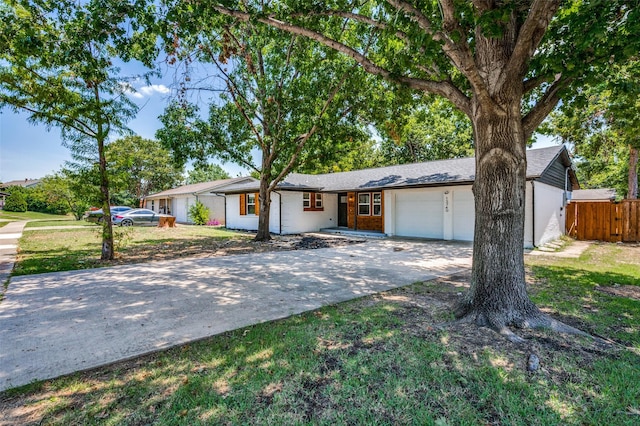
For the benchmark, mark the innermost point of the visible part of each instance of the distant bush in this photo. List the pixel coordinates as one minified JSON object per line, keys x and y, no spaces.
{"x":15,"y":202}
{"x":199,"y":213}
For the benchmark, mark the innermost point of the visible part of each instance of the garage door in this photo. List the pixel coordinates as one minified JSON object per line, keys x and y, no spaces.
{"x":463,"y":214}
{"x":419,"y":214}
{"x":182,"y":206}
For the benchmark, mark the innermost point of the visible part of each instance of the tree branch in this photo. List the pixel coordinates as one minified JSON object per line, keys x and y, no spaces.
{"x":529,"y":37}
{"x":545,"y":105}
{"x":302,"y":139}
{"x":443,"y":88}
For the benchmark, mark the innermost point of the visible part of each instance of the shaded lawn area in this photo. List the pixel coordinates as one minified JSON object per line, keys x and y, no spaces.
{"x":392,"y":358}
{"x":64,"y":221}
{"x":71,"y":249}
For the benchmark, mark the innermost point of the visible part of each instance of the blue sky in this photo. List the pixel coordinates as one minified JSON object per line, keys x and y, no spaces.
{"x":29,"y":151}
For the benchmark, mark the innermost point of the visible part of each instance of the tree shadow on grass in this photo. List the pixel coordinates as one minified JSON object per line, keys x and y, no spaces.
{"x":576,"y":297}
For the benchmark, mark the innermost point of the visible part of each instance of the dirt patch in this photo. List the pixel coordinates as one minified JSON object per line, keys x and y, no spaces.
{"x":630,"y":291}
{"x":214,"y":247}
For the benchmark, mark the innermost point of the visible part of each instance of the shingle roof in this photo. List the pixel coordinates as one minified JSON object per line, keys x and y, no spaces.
{"x":24,"y":183}
{"x":197,"y":188}
{"x":593,"y":194}
{"x":432,"y":173}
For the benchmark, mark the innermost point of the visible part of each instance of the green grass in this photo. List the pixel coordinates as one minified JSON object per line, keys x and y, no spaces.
{"x":581,"y":283}
{"x":71,"y":249}
{"x":64,"y":221}
{"x":378,"y":360}
{"x":14,"y":216}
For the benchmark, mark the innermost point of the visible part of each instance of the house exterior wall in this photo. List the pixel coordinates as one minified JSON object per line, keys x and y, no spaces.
{"x":555,"y":175}
{"x":549,"y":213}
{"x":215,"y":204}
{"x":295,"y":220}
{"x":286,"y":208}
{"x":235,"y":220}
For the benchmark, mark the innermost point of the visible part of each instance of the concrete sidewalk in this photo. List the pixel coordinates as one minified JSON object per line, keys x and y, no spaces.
{"x":58,"y":323}
{"x":9,"y":236}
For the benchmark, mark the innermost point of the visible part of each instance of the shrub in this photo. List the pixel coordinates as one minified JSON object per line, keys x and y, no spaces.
{"x":213,"y":222}
{"x":15,"y":203}
{"x":199,"y":213}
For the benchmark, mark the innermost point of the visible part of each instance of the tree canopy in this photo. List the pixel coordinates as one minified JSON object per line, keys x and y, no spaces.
{"x":206,"y":173}
{"x":505,"y":64}
{"x":279,"y":95}
{"x":57,"y":63}
{"x":602,"y":124}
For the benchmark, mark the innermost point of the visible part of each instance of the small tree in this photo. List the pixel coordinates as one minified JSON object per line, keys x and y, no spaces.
{"x":199,"y":213}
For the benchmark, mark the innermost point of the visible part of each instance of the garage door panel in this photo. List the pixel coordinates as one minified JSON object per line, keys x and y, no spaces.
{"x":419,"y":214}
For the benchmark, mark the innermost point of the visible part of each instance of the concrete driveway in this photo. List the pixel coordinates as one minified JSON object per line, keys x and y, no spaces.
{"x":59,"y":323}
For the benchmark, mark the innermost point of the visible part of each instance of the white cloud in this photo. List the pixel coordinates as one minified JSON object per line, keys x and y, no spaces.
{"x":154,"y":88}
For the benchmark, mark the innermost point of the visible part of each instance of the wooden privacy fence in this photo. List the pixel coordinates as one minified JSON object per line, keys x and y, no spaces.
{"x":604,"y":221}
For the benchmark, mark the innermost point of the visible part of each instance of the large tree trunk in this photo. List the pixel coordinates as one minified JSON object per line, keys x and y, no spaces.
{"x":264,"y":202}
{"x":632,"y":193}
{"x":497,"y":297}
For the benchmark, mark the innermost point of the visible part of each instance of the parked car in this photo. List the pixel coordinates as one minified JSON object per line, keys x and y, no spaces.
{"x":96,"y":216}
{"x":138,"y":217}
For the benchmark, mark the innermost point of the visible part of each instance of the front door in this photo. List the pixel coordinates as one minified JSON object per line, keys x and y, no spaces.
{"x":342,"y":209}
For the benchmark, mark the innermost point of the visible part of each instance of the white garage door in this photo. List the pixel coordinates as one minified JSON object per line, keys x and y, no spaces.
{"x":182,"y":206}
{"x":419,"y":213}
{"x":463,"y":214}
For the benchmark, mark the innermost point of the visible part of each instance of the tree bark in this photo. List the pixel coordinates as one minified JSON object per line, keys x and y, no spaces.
{"x":264,"y":199}
{"x":497,"y":297}
{"x":107,"y":226}
{"x":632,"y":193}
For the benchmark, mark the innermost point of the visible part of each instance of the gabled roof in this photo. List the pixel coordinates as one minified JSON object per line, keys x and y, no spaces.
{"x":432,"y":173}
{"x":199,"y":188}
{"x":26,"y":183}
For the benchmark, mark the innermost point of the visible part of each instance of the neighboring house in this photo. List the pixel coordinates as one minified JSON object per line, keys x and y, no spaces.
{"x":426,"y":200}
{"x":606,"y":195}
{"x":2,"y":198}
{"x":177,"y":201}
{"x":26,"y":183}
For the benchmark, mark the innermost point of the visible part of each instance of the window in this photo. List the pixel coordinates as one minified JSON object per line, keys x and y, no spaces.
{"x":370,"y":204}
{"x":312,"y":202}
{"x":364,"y":206}
{"x":251,"y":203}
{"x":377,"y":204}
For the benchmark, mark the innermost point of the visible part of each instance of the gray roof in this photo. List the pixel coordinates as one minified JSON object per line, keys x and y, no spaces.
{"x":26,"y":183}
{"x":199,"y":188}
{"x":593,"y":194}
{"x":432,"y":173}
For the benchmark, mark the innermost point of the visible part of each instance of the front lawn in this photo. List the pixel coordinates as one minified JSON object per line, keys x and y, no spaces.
{"x":14,"y":216}
{"x":70,"y":249}
{"x":392,"y":358}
